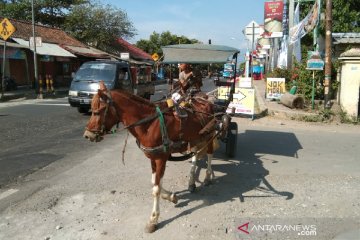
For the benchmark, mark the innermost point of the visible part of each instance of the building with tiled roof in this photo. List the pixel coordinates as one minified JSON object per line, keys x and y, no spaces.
{"x":344,"y":41}
{"x":135,"y":52}
{"x":59,"y":54}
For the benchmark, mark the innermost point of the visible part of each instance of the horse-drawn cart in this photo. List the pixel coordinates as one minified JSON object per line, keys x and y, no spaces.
{"x":207,"y":54}
{"x":160,"y":131}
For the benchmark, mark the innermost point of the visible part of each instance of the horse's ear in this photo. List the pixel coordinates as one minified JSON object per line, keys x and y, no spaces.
{"x":102,"y":86}
{"x":102,"y":89}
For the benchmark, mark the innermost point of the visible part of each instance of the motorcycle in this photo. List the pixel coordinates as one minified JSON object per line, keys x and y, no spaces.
{"x":9,"y":82}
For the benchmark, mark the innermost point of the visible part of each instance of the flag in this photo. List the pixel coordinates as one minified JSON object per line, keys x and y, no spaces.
{"x":306,"y":25}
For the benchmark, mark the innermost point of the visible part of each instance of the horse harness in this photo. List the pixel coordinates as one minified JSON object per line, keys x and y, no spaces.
{"x":167,"y":144}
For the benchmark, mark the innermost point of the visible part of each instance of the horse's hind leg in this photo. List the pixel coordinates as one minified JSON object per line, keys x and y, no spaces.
{"x":209,"y":172}
{"x":167,"y":195}
{"x":192,"y":185}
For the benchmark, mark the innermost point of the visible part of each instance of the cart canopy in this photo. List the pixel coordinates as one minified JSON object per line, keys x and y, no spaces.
{"x":198,"y":53}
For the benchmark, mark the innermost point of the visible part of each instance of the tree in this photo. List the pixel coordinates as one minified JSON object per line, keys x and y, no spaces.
{"x":156,"y":40}
{"x":346,"y":16}
{"x":98,"y":25}
{"x":47,"y":12}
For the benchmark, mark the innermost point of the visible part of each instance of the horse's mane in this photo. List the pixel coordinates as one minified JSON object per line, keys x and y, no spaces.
{"x":134,"y":97}
{"x":95,"y":103}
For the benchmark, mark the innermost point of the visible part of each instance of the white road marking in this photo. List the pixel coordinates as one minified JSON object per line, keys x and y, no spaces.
{"x":54,"y":104}
{"x":8,"y":193}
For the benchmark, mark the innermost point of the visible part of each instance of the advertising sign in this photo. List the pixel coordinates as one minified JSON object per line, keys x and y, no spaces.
{"x":314,"y":61}
{"x":38,"y":42}
{"x":245,"y":82}
{"x":275,"y":88}
{"x":228,"y":70}
{"x":273,"y":19}
{"x":243,"y":101}
{"x":223,"y":93}
{"x":125,"y":56}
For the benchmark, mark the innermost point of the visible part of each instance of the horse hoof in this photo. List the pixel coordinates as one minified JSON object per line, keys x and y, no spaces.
{"x":207,"y":182}
{"x":174,"y":199}
{"x":150,"y":228}
{"x":192,"y":188}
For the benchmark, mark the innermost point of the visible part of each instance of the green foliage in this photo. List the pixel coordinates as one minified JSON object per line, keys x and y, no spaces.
{"x":324,"y":115}
{"x":98,"y":25}
{"x":46,"y":12}
{"x":87,"y":20}
{"x":346,"y":15}
{"x":345,"y":18}
{"x":156,"y":40}
{"x":344,"y":118}
{"x":280,"y":73}
{"x":302,"y":78}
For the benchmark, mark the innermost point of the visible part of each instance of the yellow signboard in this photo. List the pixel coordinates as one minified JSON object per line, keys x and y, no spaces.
{"x":6,"y":29}
{"x":155,"y":56}
{"x":223,"y":93}
{"x":243,"y":101}
{"x":275,"y":88}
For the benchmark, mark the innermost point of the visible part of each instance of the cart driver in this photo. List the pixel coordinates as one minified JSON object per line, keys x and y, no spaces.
{"x":189,"y":79}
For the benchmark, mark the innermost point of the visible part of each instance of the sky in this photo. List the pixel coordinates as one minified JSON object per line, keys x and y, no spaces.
{"x":222,"y":21}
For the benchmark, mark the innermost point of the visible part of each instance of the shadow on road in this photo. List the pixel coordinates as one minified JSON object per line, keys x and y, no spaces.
{"x":243,"y":173}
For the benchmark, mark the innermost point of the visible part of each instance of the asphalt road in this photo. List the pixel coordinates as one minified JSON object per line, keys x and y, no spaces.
{"x":284,"y":173}
{"x":35,"y":133}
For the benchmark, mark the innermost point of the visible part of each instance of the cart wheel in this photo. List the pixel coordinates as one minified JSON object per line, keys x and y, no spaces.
{"x":231,"y":139}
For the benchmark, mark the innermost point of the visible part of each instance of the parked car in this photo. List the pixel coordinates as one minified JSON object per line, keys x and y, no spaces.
{"x":135,"y":79}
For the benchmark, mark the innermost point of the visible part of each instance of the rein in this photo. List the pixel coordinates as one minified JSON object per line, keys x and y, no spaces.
{"x":164,"y":134}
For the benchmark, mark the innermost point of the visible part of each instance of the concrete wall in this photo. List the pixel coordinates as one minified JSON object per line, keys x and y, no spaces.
{"x":350,"y":86}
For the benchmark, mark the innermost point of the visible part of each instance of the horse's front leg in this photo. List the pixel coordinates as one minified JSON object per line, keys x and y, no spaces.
{"x":192,"y":185}
{"x":158,"y":169}
{"x":209,"y":172}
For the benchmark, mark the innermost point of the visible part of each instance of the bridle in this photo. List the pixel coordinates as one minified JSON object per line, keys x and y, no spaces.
{"x":109,"y":103}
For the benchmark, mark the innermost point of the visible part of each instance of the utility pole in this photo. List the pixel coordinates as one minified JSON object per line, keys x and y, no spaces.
{"x":36,"y":80}
{"x":328,"y":47}
{"x":291,"y":24}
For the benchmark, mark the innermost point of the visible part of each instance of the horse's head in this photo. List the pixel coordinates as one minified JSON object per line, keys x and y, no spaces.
{"x":104,"y":115}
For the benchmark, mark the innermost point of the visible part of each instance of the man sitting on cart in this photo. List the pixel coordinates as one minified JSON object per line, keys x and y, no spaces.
{"x":190,"y":80}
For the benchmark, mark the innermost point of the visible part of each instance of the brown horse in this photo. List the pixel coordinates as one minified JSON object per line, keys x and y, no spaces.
{"x":158,"y":131}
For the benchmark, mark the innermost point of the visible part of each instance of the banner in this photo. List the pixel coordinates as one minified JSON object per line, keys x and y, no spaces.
{"x":297,"y":46}
{"x":273,"y":18}
{"x":306,"y":25}
{"x":282,"y":58}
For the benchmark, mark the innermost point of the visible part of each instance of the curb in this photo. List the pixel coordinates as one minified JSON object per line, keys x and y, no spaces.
{"x":32,"y":95}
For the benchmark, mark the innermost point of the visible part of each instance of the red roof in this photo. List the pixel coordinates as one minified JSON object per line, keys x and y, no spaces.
{"x":48,"y":34}
{"x":134,"y":51}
